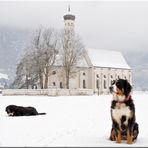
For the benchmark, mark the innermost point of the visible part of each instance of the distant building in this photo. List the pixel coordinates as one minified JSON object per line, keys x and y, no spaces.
{"x":96,"y":70}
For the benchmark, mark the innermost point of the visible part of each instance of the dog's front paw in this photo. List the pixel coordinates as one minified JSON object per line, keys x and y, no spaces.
{"x":118,"y":138}
{"x":129,"y":138}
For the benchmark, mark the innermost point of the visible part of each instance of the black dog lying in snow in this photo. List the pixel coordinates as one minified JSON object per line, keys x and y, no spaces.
{"x":14,"y":110}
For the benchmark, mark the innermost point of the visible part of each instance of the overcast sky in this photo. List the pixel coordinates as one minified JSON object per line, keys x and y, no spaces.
{"x":118,"y":25}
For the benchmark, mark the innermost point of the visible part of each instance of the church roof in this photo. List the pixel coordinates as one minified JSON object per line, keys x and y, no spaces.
{"x":69,"y":17}
{"x":107,"y":58}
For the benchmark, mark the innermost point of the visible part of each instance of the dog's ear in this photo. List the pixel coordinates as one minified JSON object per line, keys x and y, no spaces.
{"x":127,"y":88}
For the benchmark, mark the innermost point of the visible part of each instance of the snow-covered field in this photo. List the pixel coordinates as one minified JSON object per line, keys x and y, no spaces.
{"x":70,"y":121}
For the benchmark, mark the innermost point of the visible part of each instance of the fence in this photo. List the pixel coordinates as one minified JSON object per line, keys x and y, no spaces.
{"x":47,"y":92}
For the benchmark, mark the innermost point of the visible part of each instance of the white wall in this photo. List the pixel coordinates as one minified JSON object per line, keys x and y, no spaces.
{"x":47,"y":92}
{"x":91,"y":76}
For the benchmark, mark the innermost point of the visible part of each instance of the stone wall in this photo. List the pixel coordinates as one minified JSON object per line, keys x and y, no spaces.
{"x":47,"y":92}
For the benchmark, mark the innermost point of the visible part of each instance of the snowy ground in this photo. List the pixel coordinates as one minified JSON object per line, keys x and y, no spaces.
{"x":70,"y":121}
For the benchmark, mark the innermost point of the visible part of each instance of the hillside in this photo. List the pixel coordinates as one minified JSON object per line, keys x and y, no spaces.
{"x":12,"y":43}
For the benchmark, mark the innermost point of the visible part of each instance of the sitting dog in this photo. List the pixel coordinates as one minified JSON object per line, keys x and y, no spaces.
{"x":14,"y":110}
{"x":124,"y":126}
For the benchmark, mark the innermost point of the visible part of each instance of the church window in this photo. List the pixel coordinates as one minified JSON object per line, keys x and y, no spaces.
{"x":54,"y":84}
{"x":84,"y":84}
{"x":104,"y":76}
{"x":111,"y":76}
{"x":97,"y":84}
{"x":84,"y":74}
{"x":54,"y":72}
{"x":104,"y":84}
{"x":61,"y":85}
{"x":97,"y":76}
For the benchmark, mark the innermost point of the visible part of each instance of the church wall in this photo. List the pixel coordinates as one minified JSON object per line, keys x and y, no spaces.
{"x":104,"y":76}
{"x":97,"y":78}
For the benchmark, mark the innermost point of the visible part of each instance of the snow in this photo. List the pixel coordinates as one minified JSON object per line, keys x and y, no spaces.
{"x":107,"y":58}
{"x":5,"y":76}
{"x":70,"y":121}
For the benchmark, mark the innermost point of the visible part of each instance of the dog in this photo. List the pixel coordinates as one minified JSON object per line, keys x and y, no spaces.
{"x":124,"y":126}
{"x":14,"y":110}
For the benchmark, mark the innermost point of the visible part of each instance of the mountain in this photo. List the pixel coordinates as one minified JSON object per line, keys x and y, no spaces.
{"x":3,"y":80}
{"x":139,"y":63}
{"x":12,"y":43}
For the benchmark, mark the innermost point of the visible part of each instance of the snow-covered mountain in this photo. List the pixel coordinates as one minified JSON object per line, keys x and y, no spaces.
{"x":12,"y":43}
{"x":3,"y":80}
{"x":3,"y":76}
{"x":139,"y":63}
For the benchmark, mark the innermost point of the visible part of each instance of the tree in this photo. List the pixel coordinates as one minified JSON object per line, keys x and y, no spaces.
{"x":44,"y":46}
{"x":23,"y":72}
{"x":39,"y":58}
{"x":49,"y":52}
{"x":72,"y":52}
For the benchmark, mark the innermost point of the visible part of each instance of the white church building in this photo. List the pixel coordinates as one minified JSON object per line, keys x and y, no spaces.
{"x":96,"y":70}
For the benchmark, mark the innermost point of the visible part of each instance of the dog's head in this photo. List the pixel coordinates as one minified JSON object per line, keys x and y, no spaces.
{"x":120,"y":89}
{"x":10,"y":109}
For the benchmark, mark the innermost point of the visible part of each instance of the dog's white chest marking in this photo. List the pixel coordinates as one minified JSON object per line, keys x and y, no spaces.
{"x":121,"y":110}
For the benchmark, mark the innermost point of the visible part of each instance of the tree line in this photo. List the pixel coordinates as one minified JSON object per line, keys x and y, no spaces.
{"x":48,"y":49}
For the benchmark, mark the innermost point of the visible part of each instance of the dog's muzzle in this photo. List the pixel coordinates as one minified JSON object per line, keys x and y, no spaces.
{"x":10,"y":114}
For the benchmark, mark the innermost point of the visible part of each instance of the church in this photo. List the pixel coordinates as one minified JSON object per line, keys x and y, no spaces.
{"x":96,"y":70}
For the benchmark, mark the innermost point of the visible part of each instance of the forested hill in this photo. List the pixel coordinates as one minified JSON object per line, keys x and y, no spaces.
{"x":12,"y":43}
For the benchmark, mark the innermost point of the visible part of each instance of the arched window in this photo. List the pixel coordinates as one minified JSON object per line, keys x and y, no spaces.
{"x":61,"y":85}
{"x":97,"y":83}
{"x":104,"y":84}
{"x":54,"y":84}
{"x":84,"y":84}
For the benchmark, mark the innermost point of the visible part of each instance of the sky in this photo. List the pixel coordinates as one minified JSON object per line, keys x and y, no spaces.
{"x":116,"y":25}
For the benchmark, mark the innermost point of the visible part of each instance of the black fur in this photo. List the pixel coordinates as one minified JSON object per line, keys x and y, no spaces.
{"x":131,"y":126}
{"x":14,"y":110}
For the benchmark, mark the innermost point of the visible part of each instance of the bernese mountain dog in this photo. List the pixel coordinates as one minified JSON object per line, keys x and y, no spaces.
{"x":124,"y":126}
{"x":14,"y":110}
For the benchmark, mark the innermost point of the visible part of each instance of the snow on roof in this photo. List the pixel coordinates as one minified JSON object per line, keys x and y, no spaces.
{"x":107,"y":58}
{"x":3,"y":76}
{"x":81,"y":63}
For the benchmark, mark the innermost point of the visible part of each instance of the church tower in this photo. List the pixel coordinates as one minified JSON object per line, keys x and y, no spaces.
{"x":69,"y":20}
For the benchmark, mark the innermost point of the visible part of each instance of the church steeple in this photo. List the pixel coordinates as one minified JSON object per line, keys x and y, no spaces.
{"x":69,"y":19}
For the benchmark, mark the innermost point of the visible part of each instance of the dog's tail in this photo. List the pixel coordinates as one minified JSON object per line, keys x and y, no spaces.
{"x":41,"y":113}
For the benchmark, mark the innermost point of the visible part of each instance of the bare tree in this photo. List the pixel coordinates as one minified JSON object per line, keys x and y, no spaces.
{"x":72,"y":52}
{"x":23,"y":72}
{"x":39,"y":58}
{"x":36,"y":49}
{"x":49,"y":50}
